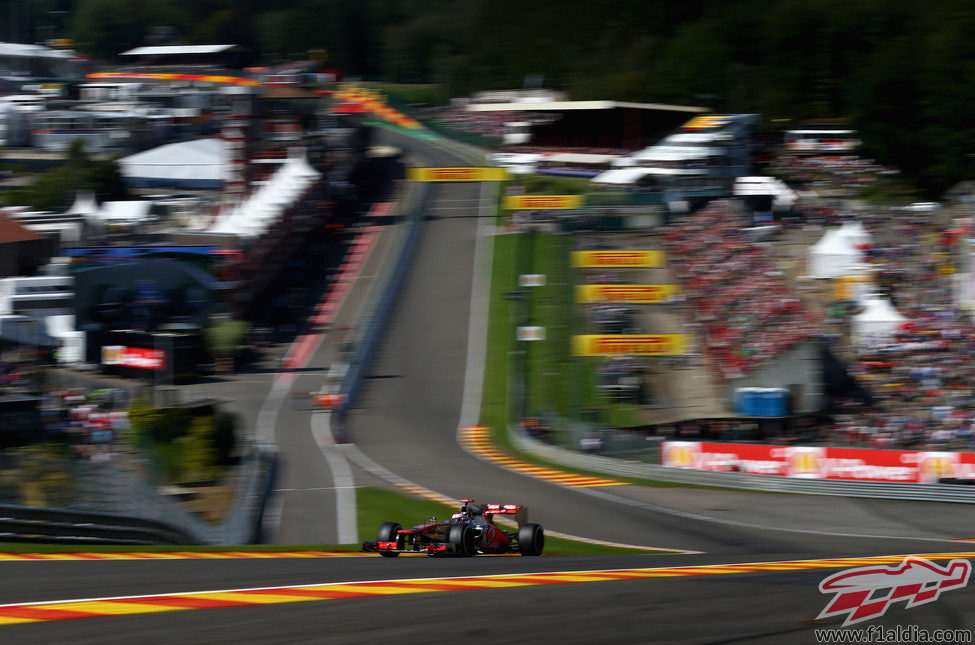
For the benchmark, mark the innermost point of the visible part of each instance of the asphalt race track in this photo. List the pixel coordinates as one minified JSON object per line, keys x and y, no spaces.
{"x":407,"y":421}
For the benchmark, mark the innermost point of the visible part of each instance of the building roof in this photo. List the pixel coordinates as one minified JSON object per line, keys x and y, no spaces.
{"x":555,"y":106}
{"x":177,"y":49}
{"x":200,"y":162}
{"x":579,"y":158}
{"x":31,"y":51}
{"x":12,"y":231}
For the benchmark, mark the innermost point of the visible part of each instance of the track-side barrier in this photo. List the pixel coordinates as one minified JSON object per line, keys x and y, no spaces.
{"x":22,"y":523}
{"x":961,"y":494}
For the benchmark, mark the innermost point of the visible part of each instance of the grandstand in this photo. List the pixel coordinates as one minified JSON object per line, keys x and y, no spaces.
{"x":754,"y":330}
{"x":598,"y":127}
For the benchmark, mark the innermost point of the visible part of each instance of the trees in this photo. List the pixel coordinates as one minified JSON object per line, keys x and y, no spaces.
{"x":56,"y":188}
{"x":901,"y":71}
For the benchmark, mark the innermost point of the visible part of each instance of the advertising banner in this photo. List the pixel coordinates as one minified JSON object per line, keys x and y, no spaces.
{"x":707,"y":122}
{"x":617,"y":259}
{"x":815,"y":462}
{"x":531,"y":333}
{"x":139,"y":357}
{"x":457,"y":174}
{"x":635,"y":293}
{"x":630,"y":344}
{"x":543,"y":202}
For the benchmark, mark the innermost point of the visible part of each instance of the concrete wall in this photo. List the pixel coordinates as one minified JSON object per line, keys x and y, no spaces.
{"x":800,"y":366}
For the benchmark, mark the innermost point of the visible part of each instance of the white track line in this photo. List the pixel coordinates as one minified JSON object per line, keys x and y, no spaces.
{"x":470,"y":410}
{"x":344,"y":483}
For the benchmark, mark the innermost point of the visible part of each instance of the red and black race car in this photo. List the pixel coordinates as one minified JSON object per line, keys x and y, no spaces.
{"x":469,"y":532}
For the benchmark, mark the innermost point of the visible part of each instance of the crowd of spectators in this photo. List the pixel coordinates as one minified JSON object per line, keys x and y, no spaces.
{"x":914,"y":386}
{"x":703,"y":163}
{"x":919,"y":379}
{"x":747,"y":312}
{"x":838,"y":175}
{"x":487,"y":124}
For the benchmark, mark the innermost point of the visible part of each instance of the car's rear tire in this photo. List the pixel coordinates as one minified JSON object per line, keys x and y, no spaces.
{"x":461,"y":536}
{"x":531,"y":539}
{"x":389,"y":532}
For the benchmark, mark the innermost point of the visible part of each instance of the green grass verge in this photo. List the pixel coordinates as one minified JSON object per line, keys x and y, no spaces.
{"x":566,"y":385}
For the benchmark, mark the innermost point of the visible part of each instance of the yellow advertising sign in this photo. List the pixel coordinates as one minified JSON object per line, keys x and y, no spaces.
{"x":458,"y":174}
{"x":636,"y":293}
{"x":704,"y":122}
{"x":633,"y":345}
{"x":539,"y":202}
{"x":849,"y":287}
{"x":617,"y":259}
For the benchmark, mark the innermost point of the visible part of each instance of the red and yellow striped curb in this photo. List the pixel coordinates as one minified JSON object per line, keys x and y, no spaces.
{"x":178,"y":555}
{"x":477,"y":440}
{"x":426,"y":493}
{"x":373,"y":101}
{"x":94,"y":607}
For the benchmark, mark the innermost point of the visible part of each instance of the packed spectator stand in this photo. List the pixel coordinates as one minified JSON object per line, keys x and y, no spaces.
{"x":748,"y":312}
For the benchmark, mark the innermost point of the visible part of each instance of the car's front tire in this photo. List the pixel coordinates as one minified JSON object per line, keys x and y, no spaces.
{"x":461,"y":536}
{"x":531,"y":539}
{"x":389,"y":532}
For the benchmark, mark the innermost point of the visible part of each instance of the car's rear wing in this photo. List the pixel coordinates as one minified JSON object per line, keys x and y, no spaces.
{"x":520,"y":513}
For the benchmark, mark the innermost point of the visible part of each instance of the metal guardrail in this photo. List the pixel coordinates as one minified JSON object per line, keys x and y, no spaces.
{"x":381,"y":309}
{"x":960,"y":494}
{"x":114,"y":492}
{"x":62,"y":525}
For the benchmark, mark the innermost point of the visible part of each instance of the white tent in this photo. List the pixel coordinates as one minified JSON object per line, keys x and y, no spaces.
{"x":125,"y":213}
{"x":855,"y":232}
{"x":834,"y":255}
{"x":267,"y":203}
{"x":199,"y":164}
{"x":783,"y":196}
{"x":86,"y":206}
{"x":877,"y":323}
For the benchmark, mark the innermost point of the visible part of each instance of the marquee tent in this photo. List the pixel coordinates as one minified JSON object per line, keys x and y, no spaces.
{"x":265,"y":205}
{"x":834,"y":255}
{"x":877,"y":323}
{"x":199,"y":164}
{"x":855,"y":232}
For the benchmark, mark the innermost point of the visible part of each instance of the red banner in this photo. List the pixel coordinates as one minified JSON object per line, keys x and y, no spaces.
{"x":814,"y":462}
{"x":140,"y":357}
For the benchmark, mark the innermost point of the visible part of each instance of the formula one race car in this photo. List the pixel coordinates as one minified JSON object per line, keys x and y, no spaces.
{"x":467,"y":533}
